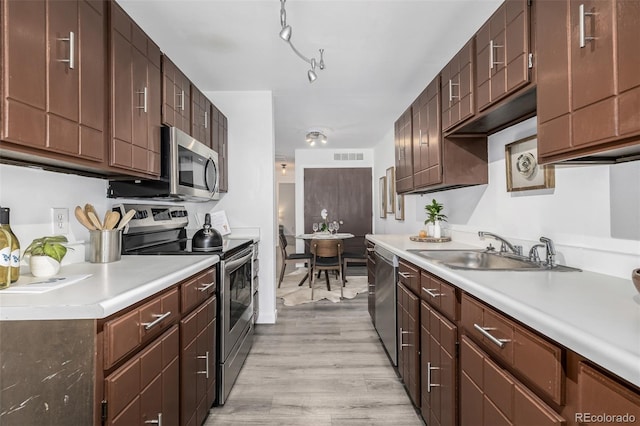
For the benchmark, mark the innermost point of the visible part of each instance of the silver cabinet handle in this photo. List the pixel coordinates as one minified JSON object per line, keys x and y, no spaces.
{"x":405,"y":275}
{"x":370,"y":250}
{"x":430,"y":292}
{"x":485,"y":332}
{"x":206,"y":286}
{"x":429,"y":384}
{"x":182,"y":100}
{"x":492,"y":61}
{"x":583,"y":36}
{"x":72,"y":47}
{"x":402,"y":333}
{"x":144,"y":99}
{"x":451,"y":97}
{"x":158,"y":421}
{"x":206,"y":119}
{"x":158,"y":319}
{"x":206,"y":369}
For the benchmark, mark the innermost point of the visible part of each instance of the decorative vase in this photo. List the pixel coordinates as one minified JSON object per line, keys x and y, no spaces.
{"x":437,"y":229}
{"x":43,"y":266}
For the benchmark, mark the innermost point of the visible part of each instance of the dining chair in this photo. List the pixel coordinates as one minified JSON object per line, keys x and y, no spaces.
{"x":326,"y":256}
{"x":292,"y":258}
{"x":352,"y":257}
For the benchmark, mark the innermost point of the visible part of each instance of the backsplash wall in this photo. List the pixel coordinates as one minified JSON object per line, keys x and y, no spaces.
{"x":592,"y":214}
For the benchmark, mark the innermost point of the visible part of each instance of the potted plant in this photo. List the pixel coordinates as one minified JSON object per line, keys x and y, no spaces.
{"x":435,"y":216}
{"x":45,"y":255}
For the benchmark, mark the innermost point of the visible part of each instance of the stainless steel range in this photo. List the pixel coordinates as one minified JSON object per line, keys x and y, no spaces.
{"x":161,"y":229}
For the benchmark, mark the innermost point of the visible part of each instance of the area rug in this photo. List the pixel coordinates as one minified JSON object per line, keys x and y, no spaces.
{"x":292,"y":294}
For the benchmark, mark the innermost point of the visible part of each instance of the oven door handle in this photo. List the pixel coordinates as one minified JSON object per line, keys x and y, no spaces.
{"x":233,"y":264}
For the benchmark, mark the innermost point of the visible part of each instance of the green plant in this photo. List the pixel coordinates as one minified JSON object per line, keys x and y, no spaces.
{"x":434,"y":212}
{"x":48,"y":246}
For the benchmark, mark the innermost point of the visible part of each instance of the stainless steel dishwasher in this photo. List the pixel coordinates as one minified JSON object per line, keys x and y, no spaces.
{"x":386,"y":300}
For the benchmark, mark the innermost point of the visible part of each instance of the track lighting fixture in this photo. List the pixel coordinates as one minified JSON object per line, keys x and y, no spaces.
{"x":285,"y":34}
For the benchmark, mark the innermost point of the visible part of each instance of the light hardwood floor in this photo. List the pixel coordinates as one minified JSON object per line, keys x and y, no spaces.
{"x":321,"y":364}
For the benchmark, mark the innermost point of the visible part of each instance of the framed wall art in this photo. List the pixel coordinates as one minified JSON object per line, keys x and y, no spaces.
{"x":523,"y":171}
{"x":382,"y":195}
{"x":399,"y":206}
{"x":391,"y":190}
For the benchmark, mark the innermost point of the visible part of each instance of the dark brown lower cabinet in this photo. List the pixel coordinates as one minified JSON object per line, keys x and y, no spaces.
{"x":438,"y":341}
{"x":409,"y":341}
{"x":490,"y":396}
{"x":144,"y":389}
{"x":371,"y":280}
{"x":198,"y":363}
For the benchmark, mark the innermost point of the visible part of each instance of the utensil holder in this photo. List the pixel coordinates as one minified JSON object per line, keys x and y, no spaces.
{"x":105,"y":246}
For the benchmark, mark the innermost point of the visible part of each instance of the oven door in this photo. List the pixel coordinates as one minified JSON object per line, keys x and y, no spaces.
{"x":236,"y":300}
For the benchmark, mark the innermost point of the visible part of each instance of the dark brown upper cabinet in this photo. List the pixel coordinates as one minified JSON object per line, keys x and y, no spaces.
{"x":201,"y":122}
{"x":588,"y":80}
{"x":404,"y":153}
{"x":223,"y":152}
{"x":136,"y":102}
{"x":457,"y":88}
{"x":502,"y":53}
{"x":427,"y":137}
{"x":176,"y":97}
{"x":54,"y":90}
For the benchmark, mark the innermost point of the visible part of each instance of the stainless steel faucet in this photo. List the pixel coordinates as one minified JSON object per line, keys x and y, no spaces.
{"x":504,"y":243}
{"x":551,"y":251}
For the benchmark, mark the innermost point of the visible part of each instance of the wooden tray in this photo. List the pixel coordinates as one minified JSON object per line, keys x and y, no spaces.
{"x":430,"y":239}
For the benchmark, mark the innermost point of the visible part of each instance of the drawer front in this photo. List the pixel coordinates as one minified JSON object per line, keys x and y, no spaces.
{"x":440,"y":294}
{"x":197,"y":289}
{"x":598,"y":393}
{"x":125,"y":333}
{"x":490,"y":395}
{"x":535,"y":358}
{"x":156,"y":315}
{"x":409,"y":275}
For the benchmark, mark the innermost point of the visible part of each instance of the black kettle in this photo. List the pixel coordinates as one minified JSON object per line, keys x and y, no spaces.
{"x":207,"y":238}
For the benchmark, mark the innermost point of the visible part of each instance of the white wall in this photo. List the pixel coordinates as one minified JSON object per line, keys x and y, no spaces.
{"x":250,"y":202}
{"x":321,"y":158}
{"x":577,"y":214}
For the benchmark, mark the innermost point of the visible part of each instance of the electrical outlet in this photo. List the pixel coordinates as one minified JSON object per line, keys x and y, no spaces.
{"x":60,"y":220}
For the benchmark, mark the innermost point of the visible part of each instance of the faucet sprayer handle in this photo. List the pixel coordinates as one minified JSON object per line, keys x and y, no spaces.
{"x":548,"y":244}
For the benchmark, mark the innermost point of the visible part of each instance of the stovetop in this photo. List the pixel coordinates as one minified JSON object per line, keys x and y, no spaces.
{"x":182,"y":246}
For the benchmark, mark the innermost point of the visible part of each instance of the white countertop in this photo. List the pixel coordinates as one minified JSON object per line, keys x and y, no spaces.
{"x":110,"y":288}
{"x":594,"y":315}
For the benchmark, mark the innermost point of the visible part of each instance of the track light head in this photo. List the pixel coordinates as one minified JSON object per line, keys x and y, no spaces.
{"x":285,"y":33}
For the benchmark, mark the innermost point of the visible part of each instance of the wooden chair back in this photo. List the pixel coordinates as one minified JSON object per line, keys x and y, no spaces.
{"x":327,"y":248}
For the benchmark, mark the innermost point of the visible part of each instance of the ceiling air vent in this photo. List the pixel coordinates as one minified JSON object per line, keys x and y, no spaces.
{"x":348,"y":156}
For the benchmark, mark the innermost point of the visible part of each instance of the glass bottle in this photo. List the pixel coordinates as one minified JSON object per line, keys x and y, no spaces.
{"x":9,"y":251}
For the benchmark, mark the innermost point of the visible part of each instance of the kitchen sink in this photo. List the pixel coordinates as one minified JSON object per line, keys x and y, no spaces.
{"x":483,"y":260}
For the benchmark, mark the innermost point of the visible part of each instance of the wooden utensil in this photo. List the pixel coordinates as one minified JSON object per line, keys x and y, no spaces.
{"x":88,"y":208}
{"x":83,"y":219}
{"x":126,"y":218}
{"x":110,"y":220}
{"x":94,"y":219}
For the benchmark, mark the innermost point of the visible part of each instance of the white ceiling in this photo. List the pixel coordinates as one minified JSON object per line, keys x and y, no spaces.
{"x":379,"y":55}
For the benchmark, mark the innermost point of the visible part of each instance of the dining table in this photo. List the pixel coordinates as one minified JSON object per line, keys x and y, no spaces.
{"x":322,"y":236}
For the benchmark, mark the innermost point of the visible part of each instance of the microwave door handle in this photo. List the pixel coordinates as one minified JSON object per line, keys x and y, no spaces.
{"x":212,"y":187}
{"x":232,"y":265}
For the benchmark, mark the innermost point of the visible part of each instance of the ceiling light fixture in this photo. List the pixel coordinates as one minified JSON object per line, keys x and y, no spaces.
{"x":284,"y":169}
{"x":285,"y":34}
{"x":316,"y":136}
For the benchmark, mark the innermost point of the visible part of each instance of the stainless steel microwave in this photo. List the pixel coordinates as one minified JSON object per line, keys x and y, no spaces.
{"x":189,"y":172}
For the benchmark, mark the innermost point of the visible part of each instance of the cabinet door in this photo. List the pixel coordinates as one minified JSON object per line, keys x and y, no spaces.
{"x":223,"y":159}
{"x":628,"y":59}
{"x":457,"y":87}
{"x":201,"y":117}
{"x":55,"y":93}
{"x":215,"y":135}
{"x":409,"y":341}
{"x":136,"y":98}
{"x":176,"y":103}
{"x":427,"y":136}
{"x":404,"y":154}
{"x":439,"y":366}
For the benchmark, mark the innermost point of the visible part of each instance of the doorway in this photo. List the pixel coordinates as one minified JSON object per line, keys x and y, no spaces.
{"x":346,"y":194}
{"x":287,"y":210}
